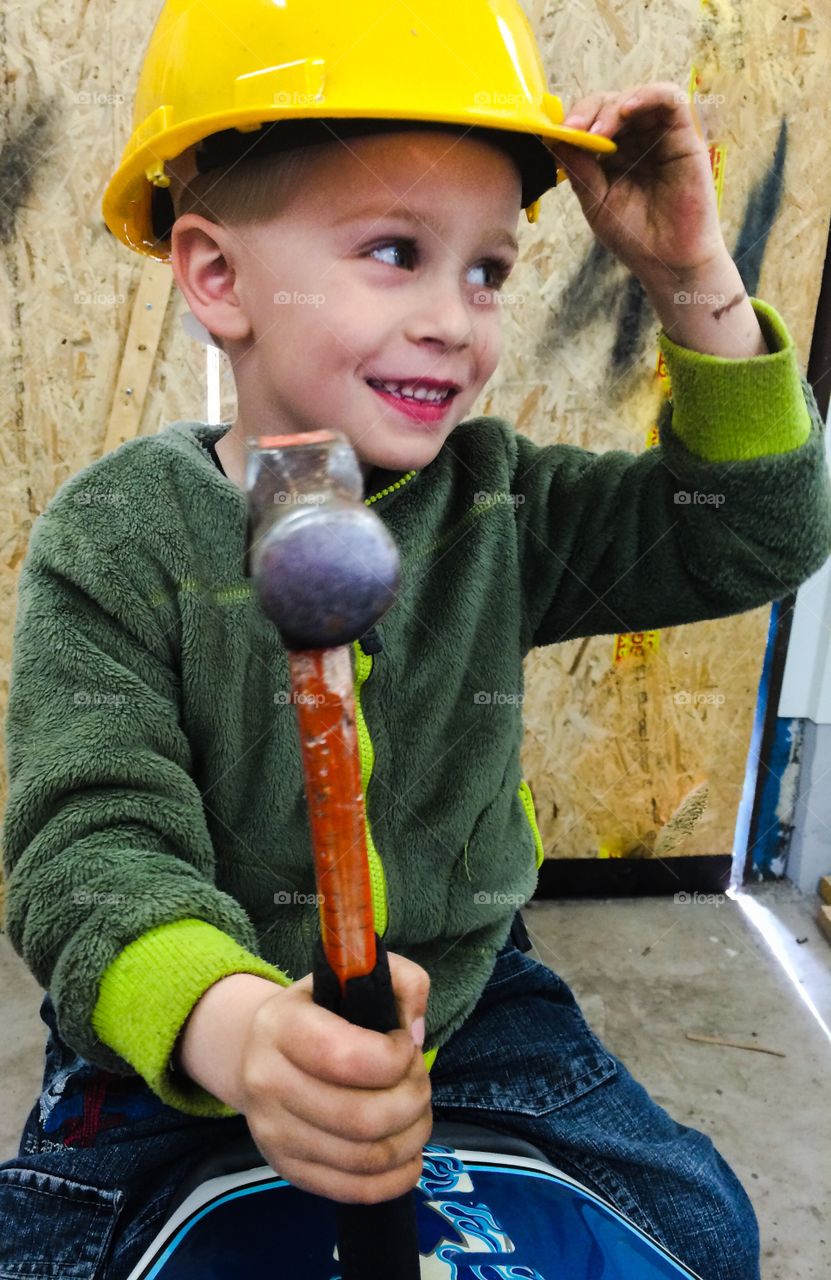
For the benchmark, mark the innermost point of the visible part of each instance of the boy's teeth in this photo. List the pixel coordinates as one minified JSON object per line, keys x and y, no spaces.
{"x":413,"y":392}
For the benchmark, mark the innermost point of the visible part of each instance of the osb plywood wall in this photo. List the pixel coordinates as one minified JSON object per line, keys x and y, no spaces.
{"x":613,"y":749}
{"x":609,"y":751}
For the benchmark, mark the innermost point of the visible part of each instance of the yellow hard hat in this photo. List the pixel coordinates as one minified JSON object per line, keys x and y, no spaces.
{"x":291,"y":71}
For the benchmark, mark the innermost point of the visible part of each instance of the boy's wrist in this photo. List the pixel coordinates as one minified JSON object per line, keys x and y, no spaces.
{"x":209,"y":1047}
{"x":708,"y":311}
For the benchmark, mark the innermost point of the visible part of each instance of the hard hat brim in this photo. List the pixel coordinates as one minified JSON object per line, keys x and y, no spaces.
{"x":534,"y":154}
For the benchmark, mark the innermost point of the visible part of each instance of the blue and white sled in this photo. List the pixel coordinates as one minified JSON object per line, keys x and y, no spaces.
{"x":489,"y":1208}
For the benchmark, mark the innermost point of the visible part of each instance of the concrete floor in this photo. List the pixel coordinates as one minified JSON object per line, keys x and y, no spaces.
{"x":645,"y":972}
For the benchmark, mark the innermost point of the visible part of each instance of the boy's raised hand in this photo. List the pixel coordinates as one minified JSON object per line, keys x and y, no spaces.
{"x":653,"y":202}
{"x":338,"y":1110}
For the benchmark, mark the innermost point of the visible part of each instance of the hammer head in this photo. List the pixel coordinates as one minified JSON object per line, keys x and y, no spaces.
{"x":325,"y":568}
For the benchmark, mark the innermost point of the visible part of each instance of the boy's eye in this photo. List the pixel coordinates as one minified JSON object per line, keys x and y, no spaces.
{"x":395,"y":246}
{"x":498,"y":268}
{"x":499,"y":272}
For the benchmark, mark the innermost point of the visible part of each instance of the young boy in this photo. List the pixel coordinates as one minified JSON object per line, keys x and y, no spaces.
{"x":160,"y":880}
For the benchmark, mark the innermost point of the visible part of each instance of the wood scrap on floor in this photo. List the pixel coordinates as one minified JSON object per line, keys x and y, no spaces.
{"x":824,"y":921}
{"x":733,"y":1044}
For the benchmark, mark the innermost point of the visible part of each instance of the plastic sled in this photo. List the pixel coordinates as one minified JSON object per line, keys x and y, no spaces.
{"x":489,"y":1207}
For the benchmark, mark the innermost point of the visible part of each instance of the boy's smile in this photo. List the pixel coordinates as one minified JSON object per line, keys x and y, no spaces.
{"x":424,"y":400}
{"x":378,"y":276}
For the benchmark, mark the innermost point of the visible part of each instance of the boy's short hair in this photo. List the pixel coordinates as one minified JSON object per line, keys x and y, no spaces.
{"x":251,"y":189}
{"x":248,"y":189}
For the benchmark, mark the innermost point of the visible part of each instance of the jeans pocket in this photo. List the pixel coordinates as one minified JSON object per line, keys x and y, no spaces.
{"x":526,"y":1048}
{"x":54,"y":1228}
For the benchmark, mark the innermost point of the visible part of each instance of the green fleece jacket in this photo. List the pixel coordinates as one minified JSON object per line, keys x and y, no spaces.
{"x":156,"y":838}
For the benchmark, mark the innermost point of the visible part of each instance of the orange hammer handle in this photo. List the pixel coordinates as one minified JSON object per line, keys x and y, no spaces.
{"x":324,"y":700}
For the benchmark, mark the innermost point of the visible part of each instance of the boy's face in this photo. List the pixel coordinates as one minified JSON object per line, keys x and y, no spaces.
{"x":336,"y":291}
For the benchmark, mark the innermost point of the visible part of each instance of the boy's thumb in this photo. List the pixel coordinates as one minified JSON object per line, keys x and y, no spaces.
{"x":411,"y":985}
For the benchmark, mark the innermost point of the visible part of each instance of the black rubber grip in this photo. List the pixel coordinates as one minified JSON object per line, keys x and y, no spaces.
{"x":375,"y":1241}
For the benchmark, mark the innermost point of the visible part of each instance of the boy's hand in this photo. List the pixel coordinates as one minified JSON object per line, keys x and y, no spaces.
{"x":653,"y":202}
{"x":338,"y":1110}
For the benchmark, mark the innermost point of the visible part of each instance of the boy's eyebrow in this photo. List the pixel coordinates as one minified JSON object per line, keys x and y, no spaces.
{"x":404,"y":214}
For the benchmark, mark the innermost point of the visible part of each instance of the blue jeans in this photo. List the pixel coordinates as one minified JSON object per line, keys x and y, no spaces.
{"x":102,"y":1156}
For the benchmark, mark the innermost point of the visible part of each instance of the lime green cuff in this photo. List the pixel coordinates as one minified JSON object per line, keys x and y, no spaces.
{"x":148,"y":991}
{"x":430,"y":1057}
{"x":729,"y":410}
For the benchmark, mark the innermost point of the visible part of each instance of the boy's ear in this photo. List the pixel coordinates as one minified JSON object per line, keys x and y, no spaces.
{"x":203,"y":261}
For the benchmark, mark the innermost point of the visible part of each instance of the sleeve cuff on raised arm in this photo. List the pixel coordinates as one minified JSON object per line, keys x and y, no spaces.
{"x":729,"y":410}
{"x":148,"y":991}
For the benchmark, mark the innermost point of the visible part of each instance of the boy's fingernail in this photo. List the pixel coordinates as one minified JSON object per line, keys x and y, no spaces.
{"x":596,"y":127}
{"x":574,"y":122}
{"x":417,"y":1032}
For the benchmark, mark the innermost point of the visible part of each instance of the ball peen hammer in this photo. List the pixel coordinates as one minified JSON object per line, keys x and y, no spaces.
{"x":325,"y":569}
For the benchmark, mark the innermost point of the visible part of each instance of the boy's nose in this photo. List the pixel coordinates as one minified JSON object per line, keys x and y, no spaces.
{"x":444,"y":316}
